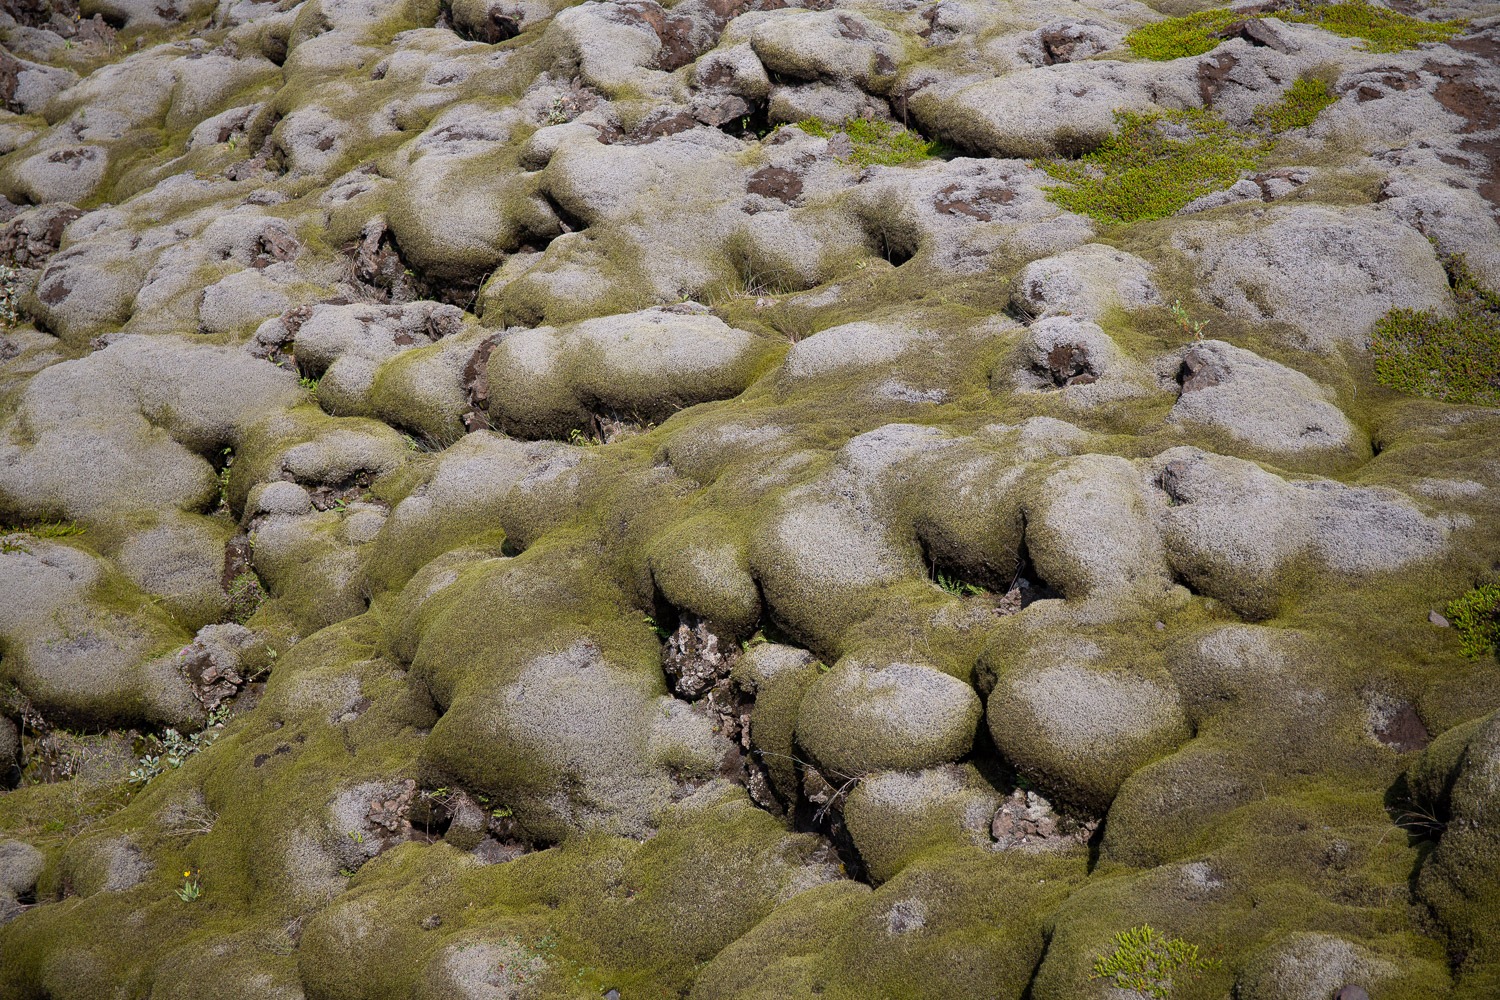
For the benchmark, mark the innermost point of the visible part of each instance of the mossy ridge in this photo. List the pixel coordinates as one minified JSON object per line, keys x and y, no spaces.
{"x":1382,"y":30}
{"x":1452,"y":358}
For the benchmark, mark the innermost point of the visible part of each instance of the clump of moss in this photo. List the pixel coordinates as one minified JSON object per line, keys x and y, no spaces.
{"x":1145,"y":962}
{"x":1297,"y":108}
{"x":1476,"y":618}
{"x":1153,"y":165}
{"x":1452,"y":358}
{"x":883,"y":144}
{"x":1382,"y":30}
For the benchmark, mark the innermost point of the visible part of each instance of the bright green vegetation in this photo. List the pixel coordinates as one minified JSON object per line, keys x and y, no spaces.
{"x":882,"y":144}
{"x":1178,"y":37}
{"x":1382,"y":30}
{"x":1476,"y":617}
{"x":1454,"y":358}
{"x":1297,"y":107}
{"x":310,"y":385}
{"x":955,"y":586}
{"x":1145,"y":962}
{"x":191,"y":888}
{"x":1156,"y":163}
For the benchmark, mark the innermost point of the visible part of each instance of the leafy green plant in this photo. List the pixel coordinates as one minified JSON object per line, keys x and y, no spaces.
{"x":1453,"y":358}
{"x":954,"y":585}
{"x":310,"y":386}
{"x":1191,"y":327}
{"x":661,"y":633}
{"x":191,"y":888}
{"x":169,"y":750}
{"x":1382,"y":30}
{"x":1476,"y":618}
{"x":884,"y":144}
{"x":1297,"y":108}
{"x":1145,"y":962}
{"x":1153,"y":165}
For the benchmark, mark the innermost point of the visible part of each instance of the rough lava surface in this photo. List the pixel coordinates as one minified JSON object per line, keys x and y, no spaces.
{"x":513,"y":499}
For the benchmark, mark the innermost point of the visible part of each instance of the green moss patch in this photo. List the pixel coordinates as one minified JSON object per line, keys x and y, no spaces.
{"x":1156,"y":163}
{"x":1476,"y":618}
{"x":876,"y":144}
{"x":1178,"y":37}
{"x":1297,"y":108}
{"x":1382,"y":30}
{"x":1453,"y":358}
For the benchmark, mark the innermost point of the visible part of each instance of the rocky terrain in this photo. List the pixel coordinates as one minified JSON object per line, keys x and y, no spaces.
{"x":718,"y":499}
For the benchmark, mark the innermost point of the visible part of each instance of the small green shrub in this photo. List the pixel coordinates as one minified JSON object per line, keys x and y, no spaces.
{"x":876,"y":143}
{"x":1453,"y":358}
{"x":1476,"y":618}
{"x":1382,"y":30}
{"x":1145,"y":962}
{"x":1297,"y":108}
{"x":1156,"y":163}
